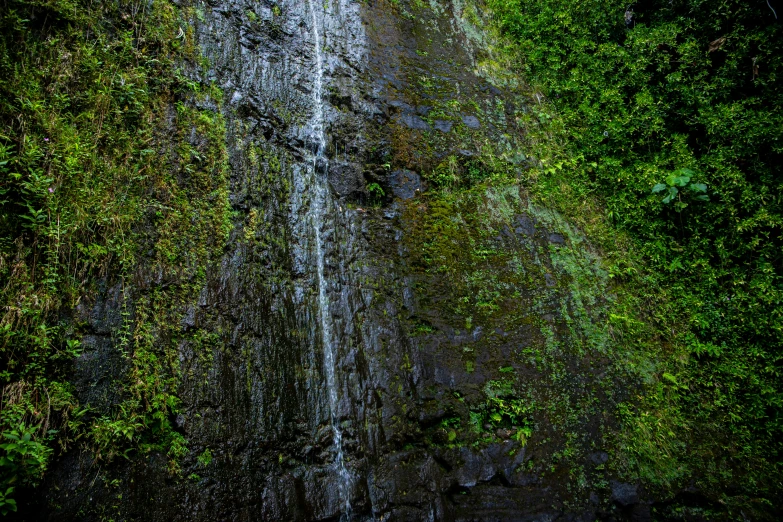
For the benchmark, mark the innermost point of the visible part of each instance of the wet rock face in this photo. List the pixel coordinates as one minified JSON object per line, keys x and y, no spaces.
{"x":433,"y":346}
{"x":405,"y":184}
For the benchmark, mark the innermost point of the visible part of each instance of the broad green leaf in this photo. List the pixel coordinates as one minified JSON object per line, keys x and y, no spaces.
{"x":681,"y":181}
{"x":672,"y":194}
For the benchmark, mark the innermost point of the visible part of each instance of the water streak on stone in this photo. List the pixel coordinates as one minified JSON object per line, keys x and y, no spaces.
{"x":318,"y":212}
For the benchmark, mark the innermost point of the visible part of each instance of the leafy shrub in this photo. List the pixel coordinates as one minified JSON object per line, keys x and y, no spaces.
{"x":677,"y":183}
{"x":23,"y":462}
{"x":504,"y":409}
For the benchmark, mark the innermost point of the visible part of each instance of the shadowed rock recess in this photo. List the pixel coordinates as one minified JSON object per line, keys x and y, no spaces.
{"x":471,"y":370}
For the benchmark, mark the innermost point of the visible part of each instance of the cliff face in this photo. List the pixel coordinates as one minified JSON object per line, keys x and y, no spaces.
{"x":392,"y":331}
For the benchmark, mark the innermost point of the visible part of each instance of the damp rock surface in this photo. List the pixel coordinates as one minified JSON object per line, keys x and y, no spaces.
{"x":458,"y":348}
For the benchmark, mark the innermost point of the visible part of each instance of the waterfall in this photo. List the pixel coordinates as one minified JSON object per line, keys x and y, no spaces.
{"x":318,"y":211}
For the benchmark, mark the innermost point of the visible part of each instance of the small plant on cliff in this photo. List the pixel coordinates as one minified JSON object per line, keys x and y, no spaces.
{"x":23,"y":462}
{"x":205,"y":458}
{"x":376,"y":193}
{"x":679,"y":183}
{"x":504,"y":412}
{"x":7,"y":503}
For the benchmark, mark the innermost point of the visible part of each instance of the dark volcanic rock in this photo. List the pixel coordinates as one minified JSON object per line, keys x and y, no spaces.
{"x":624,"y":494}
{"x":443,"y":125}
{"x":414,"y":122}
{"x":405,"y":184}
{"x":525,"y":225}
{"x":471,"y":122}
{"x":345,"y":178}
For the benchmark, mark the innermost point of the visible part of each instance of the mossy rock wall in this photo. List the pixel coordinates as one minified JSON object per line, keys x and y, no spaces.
{"x":477,"y":373}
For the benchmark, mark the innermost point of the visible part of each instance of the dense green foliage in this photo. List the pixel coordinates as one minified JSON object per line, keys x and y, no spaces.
{"x":649,"y":108}
{"x":96,"y":126}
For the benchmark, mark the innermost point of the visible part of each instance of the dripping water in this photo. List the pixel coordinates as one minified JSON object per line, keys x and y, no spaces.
{"x":318,"y":211}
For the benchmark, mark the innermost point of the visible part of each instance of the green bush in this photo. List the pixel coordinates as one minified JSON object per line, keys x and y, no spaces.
{"x":24,"y":461}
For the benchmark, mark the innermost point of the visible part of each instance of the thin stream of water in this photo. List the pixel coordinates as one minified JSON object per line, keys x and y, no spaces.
{"x":318,"y":211}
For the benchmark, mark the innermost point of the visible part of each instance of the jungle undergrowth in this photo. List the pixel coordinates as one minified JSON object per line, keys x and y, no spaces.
{"x":101,"y":183}
{"x":620,"y":115}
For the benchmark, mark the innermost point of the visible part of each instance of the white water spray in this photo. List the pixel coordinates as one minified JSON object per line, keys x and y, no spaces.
{"x":318,"y":211}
